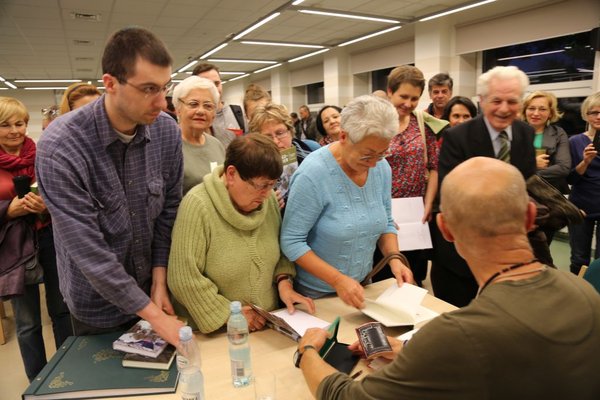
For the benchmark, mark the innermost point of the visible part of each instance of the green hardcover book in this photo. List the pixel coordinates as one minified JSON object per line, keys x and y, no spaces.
{"x":87,"y":366}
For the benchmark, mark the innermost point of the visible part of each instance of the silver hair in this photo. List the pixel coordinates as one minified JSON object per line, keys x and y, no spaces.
{"x":503,"y":73}
{"x":194,"y":82}
{"x":369,"y":115}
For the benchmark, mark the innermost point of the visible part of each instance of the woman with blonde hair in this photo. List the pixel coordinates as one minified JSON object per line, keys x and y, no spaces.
{"x":78,"y":95}
{"x":553,"y":158}
{"x":26,"y":240}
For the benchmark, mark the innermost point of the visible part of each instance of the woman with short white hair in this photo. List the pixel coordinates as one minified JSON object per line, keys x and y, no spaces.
{"x":195,"y":100}
{"x":339,"y":206}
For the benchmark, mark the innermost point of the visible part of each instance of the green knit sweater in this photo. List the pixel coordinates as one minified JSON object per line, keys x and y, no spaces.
{"x":219,"y":255}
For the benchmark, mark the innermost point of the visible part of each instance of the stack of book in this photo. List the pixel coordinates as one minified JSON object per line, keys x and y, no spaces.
{"x":143,"y":348}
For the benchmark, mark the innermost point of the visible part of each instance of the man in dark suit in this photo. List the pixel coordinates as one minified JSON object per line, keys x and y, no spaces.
{"x":496,"y":134}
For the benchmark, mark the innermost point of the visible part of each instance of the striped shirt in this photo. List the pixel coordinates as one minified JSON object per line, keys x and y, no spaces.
{"x":113,"y":206}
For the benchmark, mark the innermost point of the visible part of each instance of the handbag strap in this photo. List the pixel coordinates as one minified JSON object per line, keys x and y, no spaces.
{"x":382,"y":263}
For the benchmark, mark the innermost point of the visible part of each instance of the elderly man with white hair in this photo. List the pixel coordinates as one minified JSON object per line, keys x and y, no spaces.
{"x":533,"y":332}
{"x":497,"y":133}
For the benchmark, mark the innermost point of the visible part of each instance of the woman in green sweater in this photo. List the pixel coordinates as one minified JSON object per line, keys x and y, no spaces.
{"x":226,"y":240}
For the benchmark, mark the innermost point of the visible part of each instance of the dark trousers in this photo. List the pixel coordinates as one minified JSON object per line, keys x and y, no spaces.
{"x":28,"y":313}
{"x":82,"y":329}
{"x":580,"y":238}
{"x":451,"y":278}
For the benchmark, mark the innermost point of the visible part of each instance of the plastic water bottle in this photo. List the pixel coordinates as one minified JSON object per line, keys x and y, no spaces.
{"x":189,"y":365}
{"x":239,"y":347}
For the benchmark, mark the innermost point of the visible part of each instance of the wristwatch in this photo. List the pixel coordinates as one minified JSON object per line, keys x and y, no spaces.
{"x":298,"y":354}
{"x":284,"y":277}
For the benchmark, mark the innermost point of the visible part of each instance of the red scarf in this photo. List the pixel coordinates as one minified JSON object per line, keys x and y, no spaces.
{"x":23,"y":164}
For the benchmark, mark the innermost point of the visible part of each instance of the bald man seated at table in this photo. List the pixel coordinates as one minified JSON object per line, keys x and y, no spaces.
{"x":532,"y":332}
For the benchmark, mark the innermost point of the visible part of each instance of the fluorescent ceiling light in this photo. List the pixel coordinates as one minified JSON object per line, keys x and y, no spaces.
{"x":231,"y":73}
{"x":45,"y":88}
{"x":314,"y":53}
{"x":295,"y":3}
{"x":480,"y":3}
{"x":351,"y":16}
{"x":10,"y":85}
{"x":3,"y":88}
{"x":309,"y":46}
{"x":188,"y":65}
{"x":532,"y":55}
{"x":267,"y":68}
{"x":174,"y":74}
{"x":257,"y":25}
{"x":48,"y":80}
{"x":585,"y":70}
{"x":238,"y":77}
{"x":208,"y":53}
{"x":228,"y":60}
{"x":369,"y":36}
{"x":2,"y":79}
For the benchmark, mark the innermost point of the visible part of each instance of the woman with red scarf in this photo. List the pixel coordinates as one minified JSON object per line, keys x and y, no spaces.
{"x":21,"y":219}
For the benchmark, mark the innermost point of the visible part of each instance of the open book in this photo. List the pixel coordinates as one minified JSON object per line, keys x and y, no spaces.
{"x":292,"y":325}
{"x":399,"y":306}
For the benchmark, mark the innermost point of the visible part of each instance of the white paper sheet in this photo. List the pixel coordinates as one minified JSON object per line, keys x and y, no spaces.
{"x":407,"y":214}
{"x":300,"y":320}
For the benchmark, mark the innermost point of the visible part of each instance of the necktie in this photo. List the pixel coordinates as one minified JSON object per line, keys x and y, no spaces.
{"x":504,"y":153}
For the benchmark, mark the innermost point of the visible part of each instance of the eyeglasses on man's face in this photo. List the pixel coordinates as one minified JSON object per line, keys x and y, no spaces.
{"x":151,"y":90}
{"x":195,"y":105}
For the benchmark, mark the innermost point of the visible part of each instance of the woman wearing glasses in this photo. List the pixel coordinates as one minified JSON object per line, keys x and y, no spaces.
{"x":585,"y":185}
{"x":226,"y":240}
{"x":195,"y":100}
{"x":339,"y":207}
{"x":272,"y":120}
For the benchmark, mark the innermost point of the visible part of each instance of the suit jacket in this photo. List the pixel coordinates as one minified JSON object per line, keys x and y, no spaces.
{"x":472,"y":139}
{"x":556,"y":143}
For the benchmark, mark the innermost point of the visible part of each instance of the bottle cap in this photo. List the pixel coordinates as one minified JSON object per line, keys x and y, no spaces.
{"x":235,"y":307}
{"x":185,"y":333}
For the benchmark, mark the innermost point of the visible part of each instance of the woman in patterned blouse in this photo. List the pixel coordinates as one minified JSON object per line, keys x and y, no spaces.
{"x":413,"y":174}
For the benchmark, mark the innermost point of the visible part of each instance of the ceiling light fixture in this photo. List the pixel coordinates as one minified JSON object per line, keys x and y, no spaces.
{"x":295,"y":3}
{"x":532,"y":55}
{"x":10,"y":85}
{"x":351,"y":16}
{"x":231,"y":60}
{"x":45,"y":88}
{"x":188,"y":65}
{"x":455,"y":10}
{"x":267,"y":68}
{"x":231,"y":73}
{"x":257,"y":25}
{"x":208,"y":53}
{"x":314,"y":53}
{"x":47,"y":80}
{"x":369,"y":36}
{"x":238,"y":77}
{"x":2,"y":79}
{"x":263,"y":43}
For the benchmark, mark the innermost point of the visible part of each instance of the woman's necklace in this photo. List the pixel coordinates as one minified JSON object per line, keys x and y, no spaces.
{"x":504,"y":272}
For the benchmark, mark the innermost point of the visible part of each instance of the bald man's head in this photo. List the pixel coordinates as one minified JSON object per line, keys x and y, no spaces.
{"x":484,"y":197}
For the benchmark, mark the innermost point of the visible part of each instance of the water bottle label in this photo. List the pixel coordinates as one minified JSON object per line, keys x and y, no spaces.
{"x":191,"y":396}
{"x":182,"y":362}
{"x":238,"y":369}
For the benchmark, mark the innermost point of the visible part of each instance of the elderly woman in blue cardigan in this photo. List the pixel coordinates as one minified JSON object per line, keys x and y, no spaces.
{"x":339,"y":206}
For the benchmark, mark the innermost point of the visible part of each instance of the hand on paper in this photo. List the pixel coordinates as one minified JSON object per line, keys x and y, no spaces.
{"x":350,"y":291}
{"x":314,"y":337}
{"x":401,"y":272}
{"x":289,"y":296}
{"x":255,"y":321}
